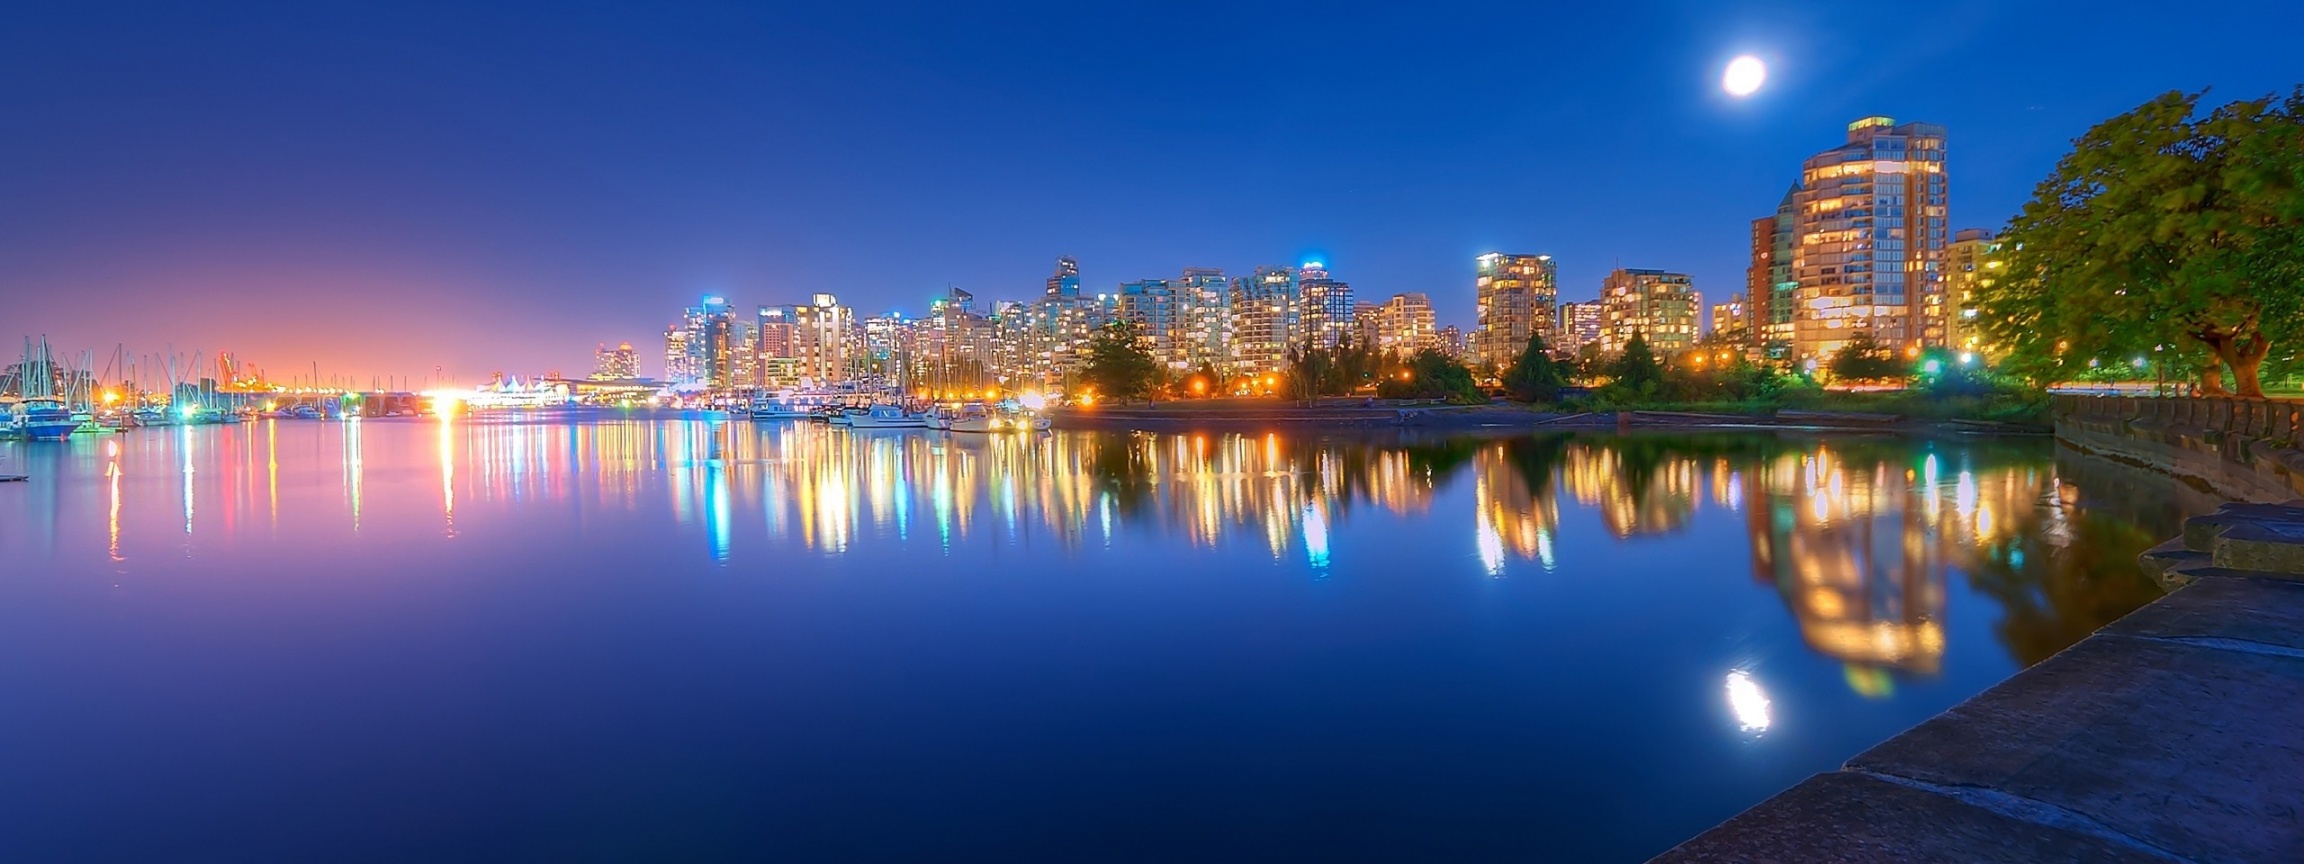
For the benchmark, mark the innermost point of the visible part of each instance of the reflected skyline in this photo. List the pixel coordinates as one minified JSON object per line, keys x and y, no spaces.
{"x":1857,"y":537}
{"x":1522,"y":642}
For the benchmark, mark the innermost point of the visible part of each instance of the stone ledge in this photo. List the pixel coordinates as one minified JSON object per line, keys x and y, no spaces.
{"x":1847,"y":817}
{"x":2183,"y":747}
{"x":2267,"y":612}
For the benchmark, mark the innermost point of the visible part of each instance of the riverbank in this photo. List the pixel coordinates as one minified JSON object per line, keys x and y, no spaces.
{"x":1248,"y":415}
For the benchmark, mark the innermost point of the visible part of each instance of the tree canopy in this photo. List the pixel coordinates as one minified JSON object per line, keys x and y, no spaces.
{"x":1865,"y":359}
{"x":2164,"y":230}
{"x":1636,"y":371}
{"x":1432,"y":375}
{"x":1535,"y":377}
{"x":1119,"y":366}
{"x":1316,"y":370}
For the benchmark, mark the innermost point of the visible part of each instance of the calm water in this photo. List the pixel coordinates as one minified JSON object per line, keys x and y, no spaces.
{"x":411,"y":640}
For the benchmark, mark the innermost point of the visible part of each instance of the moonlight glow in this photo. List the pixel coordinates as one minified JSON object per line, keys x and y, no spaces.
{"x":1744,"y":76}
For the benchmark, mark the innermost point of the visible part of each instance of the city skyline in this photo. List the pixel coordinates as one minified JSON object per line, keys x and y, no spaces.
{"x":494,"y":205}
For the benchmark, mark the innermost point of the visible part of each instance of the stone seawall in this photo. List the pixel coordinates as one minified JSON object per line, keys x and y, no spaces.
{"x":2242,"y":449}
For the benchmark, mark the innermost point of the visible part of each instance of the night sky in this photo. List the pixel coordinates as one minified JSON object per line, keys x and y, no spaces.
{"x":384,"y":189}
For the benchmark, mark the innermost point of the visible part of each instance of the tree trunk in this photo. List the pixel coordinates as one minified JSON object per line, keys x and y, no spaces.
{"x":2212,"y":379}
{"x":2246,"y":357}
{"x":2212,"y":368}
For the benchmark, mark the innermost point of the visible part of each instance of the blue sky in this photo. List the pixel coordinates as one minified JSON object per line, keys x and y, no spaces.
{"x":386,"y":188}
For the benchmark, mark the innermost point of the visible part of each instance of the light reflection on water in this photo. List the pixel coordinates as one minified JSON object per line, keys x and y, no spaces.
{"x":1523,"y":627}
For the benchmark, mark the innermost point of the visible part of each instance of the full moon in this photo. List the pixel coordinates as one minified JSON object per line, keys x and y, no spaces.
{"x":1744,"y":76}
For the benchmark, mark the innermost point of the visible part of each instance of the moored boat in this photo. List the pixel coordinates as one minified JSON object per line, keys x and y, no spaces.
{"x":981,"y":420}
{"x":43,"y":418}
{"x":775,"y":408}
{"x":40,"y":414}
{"x":887,"y":417}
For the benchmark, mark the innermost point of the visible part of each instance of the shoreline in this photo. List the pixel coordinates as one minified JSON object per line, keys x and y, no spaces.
{"x":1159,"y":417}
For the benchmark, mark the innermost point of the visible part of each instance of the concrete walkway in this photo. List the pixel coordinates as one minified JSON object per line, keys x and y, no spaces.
{"x":2175,"y":734}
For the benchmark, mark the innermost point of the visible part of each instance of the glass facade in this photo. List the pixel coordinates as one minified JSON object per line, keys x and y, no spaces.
{"x":1868,"y":256}
{"x":1519,"y":297}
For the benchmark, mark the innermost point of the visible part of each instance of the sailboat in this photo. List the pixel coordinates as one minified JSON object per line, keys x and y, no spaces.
{"x":40,"y":415}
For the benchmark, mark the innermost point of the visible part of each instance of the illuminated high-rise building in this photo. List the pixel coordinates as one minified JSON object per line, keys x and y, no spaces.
{"x":1452,"y":342}
{"x":1324,"y":306}
{"x":1770,"y":293}
{"x":1264,"y":320}
{"x":1972,"y":263}
{"x":679,"y":362}
{"x":1065,"y":282}
{"x":772,"y":347}
{"x":1732,"y":321}
{"x":1518,"y":297}
{"x":1203,"y":319}
{"x":822,"y":341}
{"x":1663,"y":307}
{"x":620,"y":363}
{"x":1062,"y":321}
{"x":1870,"y":238}
{"x":706,"y":341}
{"x":1404,"y":325}
{"x":1149,"y":305}
{"x":1580,"y":325}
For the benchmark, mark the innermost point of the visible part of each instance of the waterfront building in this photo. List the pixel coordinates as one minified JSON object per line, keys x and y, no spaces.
{"x":1664,"y":307}
{"x":1324,"y":307}
{"x":1451,"y":342}
{"x":1972,"y":264}
{"x":1770,"y":291}
{"x":620,"y":363}
{"x":772,"y":343}
{"x":1264,"y":320}
{"x":823,"y":343}
{"x":1367,"y":326}
{"x":743,"y":354}
{"x":1149,"y":305}
{"x":1732,"y":321}
{"x":1518,"y":297}
{"x":679,"y":364}
{"x":1580,"y":325}
{"x":1062,"y":322}
{"x":1011,"y":339}
{"x":1870,"y":240}
{"x":1065,"y":282}
{"x":698,"y":349}
{"x":1405,"y":325}
{"x":1203,"y":319}
{"x":953,"y":348}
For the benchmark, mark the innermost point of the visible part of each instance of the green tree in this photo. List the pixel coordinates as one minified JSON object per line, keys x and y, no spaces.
{"x":1865,"y":359}
{"x":1433,"y":375}
{"x":1535,"y":377}
{"x":2162,"y":229}
{"x":1309,"y":367}
{"x":1119,"y":366}
{"x":1636,"y":372}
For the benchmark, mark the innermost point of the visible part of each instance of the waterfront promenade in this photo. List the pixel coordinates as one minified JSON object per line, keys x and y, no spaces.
{"x":2170,"y":735}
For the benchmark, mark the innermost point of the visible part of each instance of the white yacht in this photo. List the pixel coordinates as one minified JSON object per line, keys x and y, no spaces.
{"x":887,"y":417}
{"x":780,"y":407}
